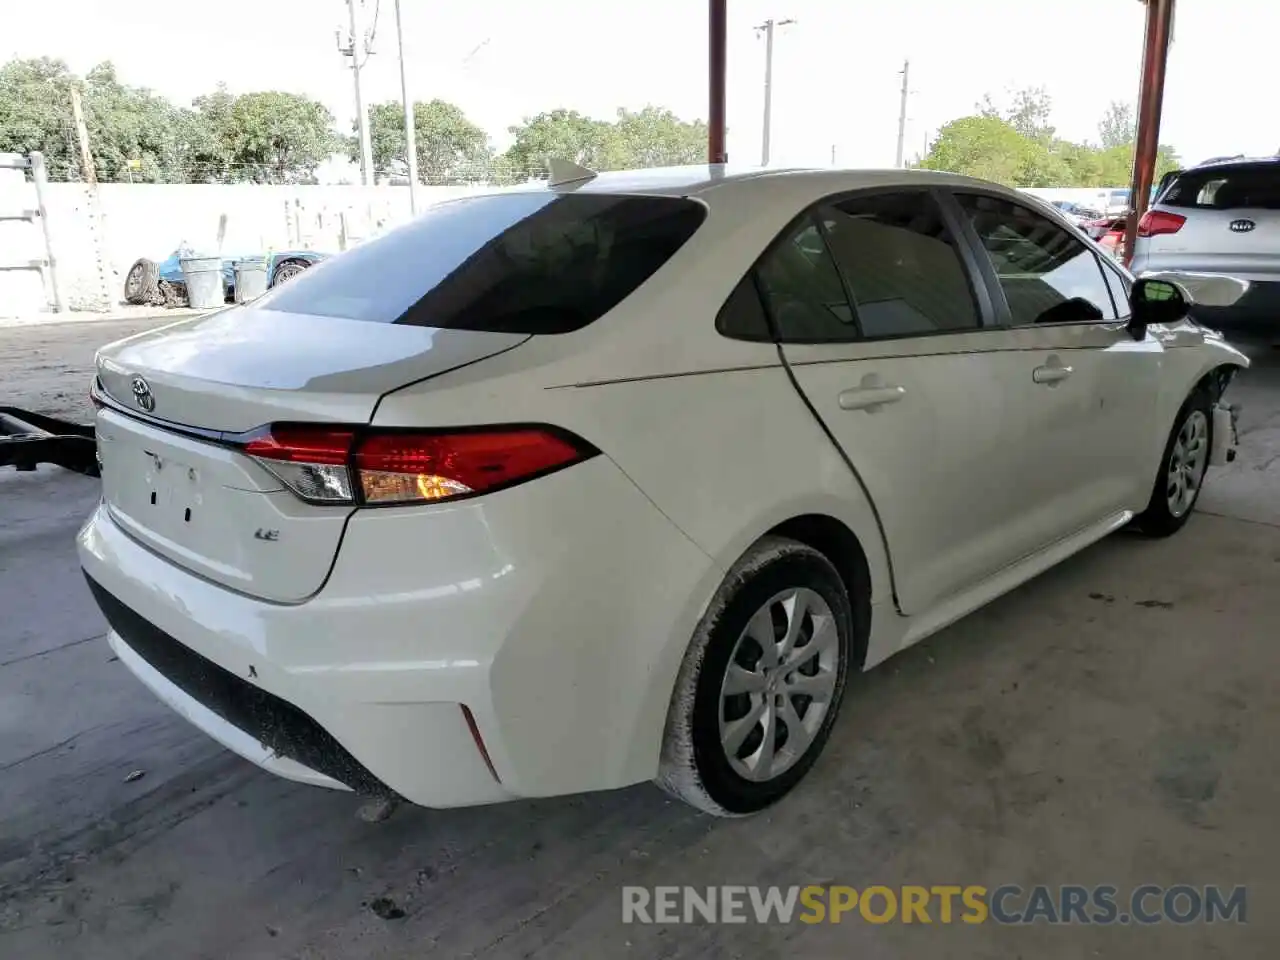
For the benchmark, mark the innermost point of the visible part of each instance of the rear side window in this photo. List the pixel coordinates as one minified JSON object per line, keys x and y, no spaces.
{"x":535,"y":263}
{"x":901,"y":263}
{"x":802,"y":288}
{"x":1226,"y":188}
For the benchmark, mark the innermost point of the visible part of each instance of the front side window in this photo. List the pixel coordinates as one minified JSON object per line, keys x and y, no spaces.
{"x":901,"y":263}
{"x":1047,"y":274}
{"x":535,"y":262}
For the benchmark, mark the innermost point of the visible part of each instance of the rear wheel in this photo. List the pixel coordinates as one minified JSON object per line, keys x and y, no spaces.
{"x":762,"y":681}
{"x":1182,"y":471}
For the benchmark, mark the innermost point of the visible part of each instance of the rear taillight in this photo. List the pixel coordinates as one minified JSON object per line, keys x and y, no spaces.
{"x":310,"y":461}
{"x":1155,"y":223}
{"x":342,"y":465}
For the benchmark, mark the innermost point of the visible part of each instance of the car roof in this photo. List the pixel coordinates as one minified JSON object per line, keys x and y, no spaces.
{"x":703,"y":179}
{"x":1237,"y":161}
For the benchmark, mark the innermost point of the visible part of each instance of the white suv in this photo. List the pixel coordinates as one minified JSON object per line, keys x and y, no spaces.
{"x":1219,"y":218}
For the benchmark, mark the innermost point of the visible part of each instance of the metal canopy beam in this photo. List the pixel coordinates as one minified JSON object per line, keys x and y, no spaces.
{"x":1155,"y":58}
{"x":717,"y":41}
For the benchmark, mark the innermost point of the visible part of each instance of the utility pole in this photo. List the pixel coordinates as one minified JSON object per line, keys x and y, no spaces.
{"x":902,"y":112}
{"x":358,"y":50}
{"x":87,"y":169}
{"x":410,"y":134}
{"x":767,"y":29}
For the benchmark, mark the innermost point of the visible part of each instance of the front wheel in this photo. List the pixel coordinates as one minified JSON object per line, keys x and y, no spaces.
{"x":1182,"y":470}
{"x":762,"y":682}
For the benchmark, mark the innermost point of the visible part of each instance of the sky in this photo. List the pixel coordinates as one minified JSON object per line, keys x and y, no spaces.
{"x":836,"y":70}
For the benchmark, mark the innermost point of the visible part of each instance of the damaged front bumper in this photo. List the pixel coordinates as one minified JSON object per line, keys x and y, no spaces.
{"x":1226,"y":433}
{"x":29,"y":439}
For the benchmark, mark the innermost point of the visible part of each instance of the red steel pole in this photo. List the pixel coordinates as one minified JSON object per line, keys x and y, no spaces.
{"x":1155,"y":58}
{"x":716,"y":70}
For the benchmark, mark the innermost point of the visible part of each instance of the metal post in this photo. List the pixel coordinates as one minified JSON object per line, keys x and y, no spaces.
{"x":902,"y":113}
{"x":410,"y":133}
{"x":362,"y":118}
{"x":1155,"y":58}
{"x":41,"y":177}
{"x":717,"y":41}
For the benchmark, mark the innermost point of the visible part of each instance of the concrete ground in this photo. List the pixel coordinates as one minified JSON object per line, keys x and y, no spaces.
{"x":1113,"y":722}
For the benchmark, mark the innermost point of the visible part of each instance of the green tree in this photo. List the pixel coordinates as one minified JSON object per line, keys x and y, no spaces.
{"x":1117,"y":127}
{"x":134,"y":134}
{"x":1016,"y":146}
{"x":35,"y":111}
{"x":982,"y":146}
{"x":1029,"y":113}
{"x":451,"y":149}
{"x":653,"y":137}
{"x":277,"y":137}
{"x":208,"y":129}
{"x":560,"y":133}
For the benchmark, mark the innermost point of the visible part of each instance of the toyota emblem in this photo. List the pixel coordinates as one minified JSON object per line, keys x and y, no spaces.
{"x":142,"y":393}
{"x":1242,"y":226}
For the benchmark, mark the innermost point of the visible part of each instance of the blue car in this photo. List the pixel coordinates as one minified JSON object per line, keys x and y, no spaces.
{"x":149,"y":282}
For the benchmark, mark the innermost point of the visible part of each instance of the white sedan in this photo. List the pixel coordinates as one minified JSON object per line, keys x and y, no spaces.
{"x":615,"y":478}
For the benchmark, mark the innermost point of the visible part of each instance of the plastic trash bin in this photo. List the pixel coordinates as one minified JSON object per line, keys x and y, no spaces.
{"x":251,"y":278}
{"x":203,"y":277}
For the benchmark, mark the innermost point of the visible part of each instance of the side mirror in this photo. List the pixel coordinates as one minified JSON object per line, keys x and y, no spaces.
{"x":1155,"y":301}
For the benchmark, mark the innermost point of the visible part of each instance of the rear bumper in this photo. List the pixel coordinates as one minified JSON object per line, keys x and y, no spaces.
{"x":556,"y":612}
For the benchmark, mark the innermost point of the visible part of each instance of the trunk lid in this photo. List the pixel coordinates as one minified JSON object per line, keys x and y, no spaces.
{"x":173,"y":483}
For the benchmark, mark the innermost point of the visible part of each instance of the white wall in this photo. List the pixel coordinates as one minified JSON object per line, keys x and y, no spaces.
{"x":151,"y":220}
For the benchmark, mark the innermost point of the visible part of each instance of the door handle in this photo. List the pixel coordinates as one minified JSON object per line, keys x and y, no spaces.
{"x":870,"y":398}
{"x":1050,"y":374}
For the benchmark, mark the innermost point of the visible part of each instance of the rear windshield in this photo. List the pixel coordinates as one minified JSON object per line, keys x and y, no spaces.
{"x":1226,"y":188}
{"x":507,"y":263}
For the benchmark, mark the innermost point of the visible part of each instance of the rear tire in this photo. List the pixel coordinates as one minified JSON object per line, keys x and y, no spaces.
{"x":746,"y":724}
{"x":1182,"y":469}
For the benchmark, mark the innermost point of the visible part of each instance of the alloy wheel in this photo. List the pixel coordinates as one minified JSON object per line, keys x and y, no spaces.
{"x":1187,"y":463}
{"x":779,"y":684}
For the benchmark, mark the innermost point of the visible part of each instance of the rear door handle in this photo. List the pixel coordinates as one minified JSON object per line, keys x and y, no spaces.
{"x":870,"y":398}
{"x":1050,"y":374}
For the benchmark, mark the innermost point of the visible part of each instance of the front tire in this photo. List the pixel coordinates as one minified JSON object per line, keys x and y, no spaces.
{"x":761,"y":683}
{"x":1182,"y":469}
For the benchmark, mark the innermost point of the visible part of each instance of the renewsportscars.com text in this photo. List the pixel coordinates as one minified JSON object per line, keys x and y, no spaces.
{"x":946,"y":904}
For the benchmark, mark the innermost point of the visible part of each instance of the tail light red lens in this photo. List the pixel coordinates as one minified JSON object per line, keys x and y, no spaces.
{"x":398,"y":468}
{"x":341,"y":465}
{"x":310,"y":461}
{"x":1155,"y":223}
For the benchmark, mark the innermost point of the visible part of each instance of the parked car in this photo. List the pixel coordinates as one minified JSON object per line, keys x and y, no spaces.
{"x":615,"y":478}
{"x":1220,"y":218}
{"x":1075,"y":212}
{"x":149,"y":282}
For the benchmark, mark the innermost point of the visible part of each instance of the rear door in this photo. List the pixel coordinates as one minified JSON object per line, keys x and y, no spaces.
{"x":889,"y":350}
{"x":1223,"y":218}
{"x":1091,"y":389}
